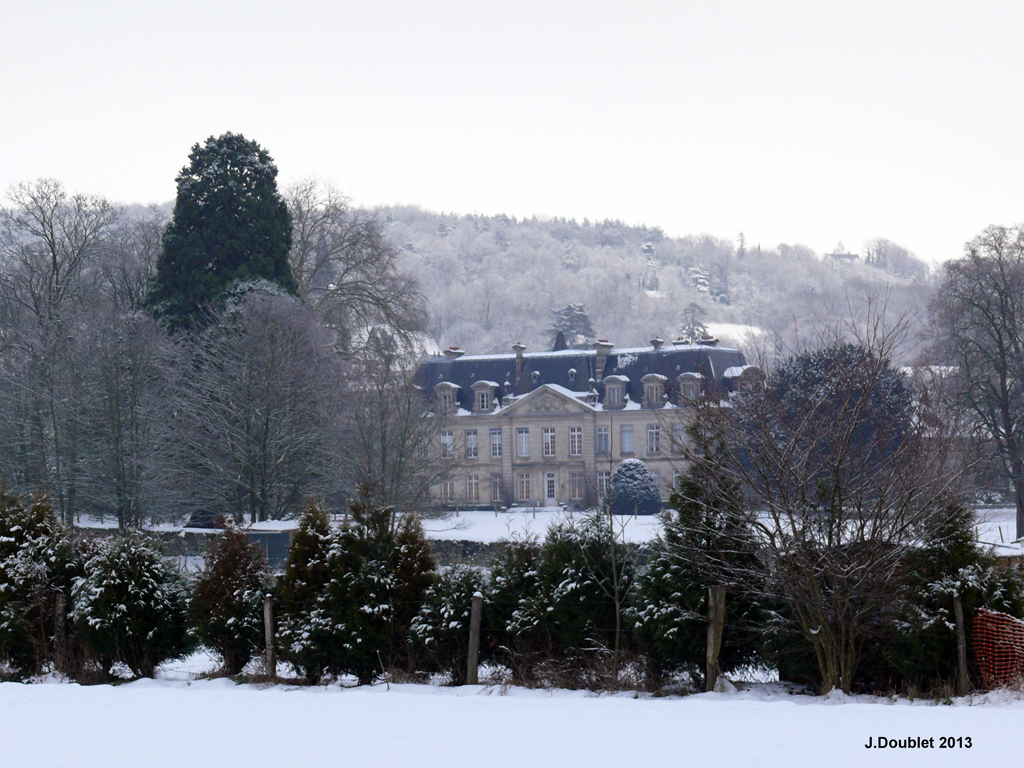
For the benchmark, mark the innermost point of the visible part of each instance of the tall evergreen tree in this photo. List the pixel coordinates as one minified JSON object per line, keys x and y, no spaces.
{"x":230,"y":225}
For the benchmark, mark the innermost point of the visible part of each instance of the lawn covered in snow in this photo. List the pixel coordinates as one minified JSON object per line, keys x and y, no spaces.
{"x":167,"y":722}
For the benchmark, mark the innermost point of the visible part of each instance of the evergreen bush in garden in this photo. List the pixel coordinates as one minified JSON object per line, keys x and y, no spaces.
{"x":634,"y":489}
{"x":131,"y":607}
{"x":517,"y":610}
{"x":37,"y":570}
{"x":441,"y":629}
{"x":227,"y":601}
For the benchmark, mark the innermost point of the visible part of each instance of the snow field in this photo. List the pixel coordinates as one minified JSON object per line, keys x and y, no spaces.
{"x":156,"y":723}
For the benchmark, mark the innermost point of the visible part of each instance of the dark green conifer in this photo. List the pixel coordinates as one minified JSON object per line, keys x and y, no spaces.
{"x":230,"y":226}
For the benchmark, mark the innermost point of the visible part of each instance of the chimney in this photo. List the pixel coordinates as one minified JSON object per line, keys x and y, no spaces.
{"x":453,"y":352}
{"x":656,"y":343}
{"x":519,"y":348}
{"x":603,"y":347}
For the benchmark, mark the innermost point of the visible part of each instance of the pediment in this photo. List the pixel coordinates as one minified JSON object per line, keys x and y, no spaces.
{"x":546,"y":399}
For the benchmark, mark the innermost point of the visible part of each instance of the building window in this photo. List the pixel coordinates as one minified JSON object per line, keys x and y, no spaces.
{"x":495,"y":443}
{"x":678,"y":438}
{"x":549,"y":441}
{"x":653,"y":438}
{"x":604,"y":441}
{"x":496,"y":488}
{"x":626,"y":438}
{"x":523,"y":442}
{"x":422,"y":450}
{"x":677,"y":478}
{"x":483,"y":401}
{"x":690,"y":389}
{"x":446,"y":400}
{"x":447,"y":445}
{"x":448,"y":491}
{"x":604,"y":483}
{"x":575,"y":441}
{"x":471,"y":444}
{"x":652,"y":395}
{"x":614,"y":396}
{"x":523,"y":483}
{"x":576,"y":486}
{"x":473,"y":489}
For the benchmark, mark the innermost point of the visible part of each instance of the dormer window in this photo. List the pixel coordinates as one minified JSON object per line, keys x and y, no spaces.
{"x":689,"y":387}
{"x":447,"y":397}
{"x":654,"y":390}
{"x":483,"y":396}
{"x":535,"y":376}
{"x":615,"y":391}
{"x":572,"y":374}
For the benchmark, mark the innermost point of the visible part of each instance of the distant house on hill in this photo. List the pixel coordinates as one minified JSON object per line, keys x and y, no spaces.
{"x":549,"y":428}
{"x":842,"y":258}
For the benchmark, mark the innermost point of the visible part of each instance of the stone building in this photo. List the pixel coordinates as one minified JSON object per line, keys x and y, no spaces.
{"x":549,"y":428}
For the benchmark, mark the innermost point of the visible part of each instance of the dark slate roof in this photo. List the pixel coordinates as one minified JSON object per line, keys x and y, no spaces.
{"x":711,"y":362}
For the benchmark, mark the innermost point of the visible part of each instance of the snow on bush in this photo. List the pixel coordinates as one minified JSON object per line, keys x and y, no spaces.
{"x":634,"y":489}
{"x":131,"y":607}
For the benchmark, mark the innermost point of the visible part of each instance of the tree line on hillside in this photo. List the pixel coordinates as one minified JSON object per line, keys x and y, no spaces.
{"x":492,"y":280}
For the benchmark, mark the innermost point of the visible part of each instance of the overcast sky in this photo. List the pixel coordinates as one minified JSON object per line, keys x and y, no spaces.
{"x":795,"y":122}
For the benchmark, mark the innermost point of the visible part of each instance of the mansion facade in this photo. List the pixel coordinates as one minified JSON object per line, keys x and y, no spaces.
{"x":549,"y":428}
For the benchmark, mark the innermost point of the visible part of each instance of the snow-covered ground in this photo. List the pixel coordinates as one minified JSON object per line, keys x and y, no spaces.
{"x":488,"y":527}
{"x":176,"y":721}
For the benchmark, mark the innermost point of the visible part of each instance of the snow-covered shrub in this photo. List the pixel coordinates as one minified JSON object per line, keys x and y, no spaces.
{"x":131,"y":606}
{"x":517,"y":609}
{"x":37,"y":564}
{"x":923,"y":648}
{"x":227,"y":600}
{"x":303,"y":632}
{"x":440,"y":630}
{"x":350,"y":607}
{"x":634,"y":489}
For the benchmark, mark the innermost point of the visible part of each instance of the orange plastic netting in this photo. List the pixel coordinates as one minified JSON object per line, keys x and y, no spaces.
{"x":998,"y":647}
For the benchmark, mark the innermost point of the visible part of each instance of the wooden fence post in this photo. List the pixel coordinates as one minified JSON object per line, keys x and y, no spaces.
{"x":963,"y":682}
{"x":716,"y":622}
{"x":473,"y":659}
{"x":268,"y":625}
{"x":60,"y":642}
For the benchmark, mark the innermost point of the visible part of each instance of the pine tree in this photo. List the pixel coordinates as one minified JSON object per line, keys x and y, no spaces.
{"x":574,"y":324}
{"x":230,"y":225}
{"x":441,"y":628}
{"x":227,"y":603}
{"x":303,"y":630}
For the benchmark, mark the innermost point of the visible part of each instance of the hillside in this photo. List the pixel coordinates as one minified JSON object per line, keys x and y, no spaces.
{"x":492,"y":280}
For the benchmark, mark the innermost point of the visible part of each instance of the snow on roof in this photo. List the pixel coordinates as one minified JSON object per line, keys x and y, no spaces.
{"x":486,"y":383}
{"x":574,"y":352}
{"x":735,"y":371}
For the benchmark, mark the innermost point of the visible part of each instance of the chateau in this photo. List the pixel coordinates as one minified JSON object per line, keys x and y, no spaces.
{"x":549,"y":428}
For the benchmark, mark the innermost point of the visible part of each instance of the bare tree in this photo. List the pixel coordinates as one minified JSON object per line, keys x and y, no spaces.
{"x":842,"y":472}
{"x":390,"y":444}
{"x":50,"y":242}
{"x":257,"y":408}
{"x":346,"y":268}
{"x":978,"y":322}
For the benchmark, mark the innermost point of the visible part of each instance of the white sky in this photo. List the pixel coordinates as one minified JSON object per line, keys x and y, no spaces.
{"x":812,"y":122}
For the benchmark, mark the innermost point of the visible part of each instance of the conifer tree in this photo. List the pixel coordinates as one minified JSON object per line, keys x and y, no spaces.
{"x":37,"y":563}
{"x":227,"y":603}
{"x":230,"y":225}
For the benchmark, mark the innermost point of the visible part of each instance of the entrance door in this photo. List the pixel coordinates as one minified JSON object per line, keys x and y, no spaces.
{"x":549,"y":489}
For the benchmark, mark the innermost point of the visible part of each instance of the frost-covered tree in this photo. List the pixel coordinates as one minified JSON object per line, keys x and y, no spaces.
{"x":634,"y":489}
{"x":131,"y":607}
{"x":230,"y":225}
{"x":692,"y":324}
{"x":227,"y":599}
{"x":574,"y":324}
{"x":37,"y":571}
